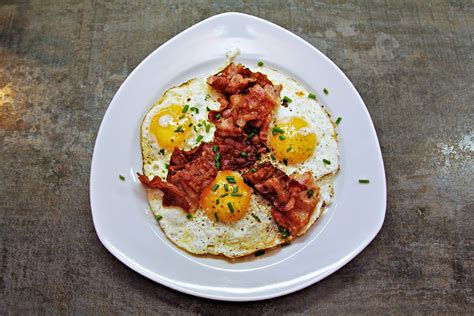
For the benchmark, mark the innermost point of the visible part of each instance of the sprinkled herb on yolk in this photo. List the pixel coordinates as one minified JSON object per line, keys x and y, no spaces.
{"x":297,"y":136}
{"x":171,"y":127}
{"x":227,"y":196}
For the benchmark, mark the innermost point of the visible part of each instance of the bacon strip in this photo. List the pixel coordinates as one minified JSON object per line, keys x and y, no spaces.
{"x":252,"y":98}
{"x":189,"y":173}
{"x":294,"y":198}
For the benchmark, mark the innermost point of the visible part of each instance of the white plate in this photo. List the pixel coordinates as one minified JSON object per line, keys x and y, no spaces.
{"x":120,"y":210}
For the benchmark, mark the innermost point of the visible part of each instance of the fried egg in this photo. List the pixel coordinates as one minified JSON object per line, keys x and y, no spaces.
{"x":232,"y":219}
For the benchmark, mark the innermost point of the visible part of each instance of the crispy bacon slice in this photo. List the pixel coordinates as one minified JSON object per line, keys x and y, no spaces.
{"x":294,"y":198}
{"x":236,"y":78}
{"x":235,"y":153}
{"x":189,"y":173}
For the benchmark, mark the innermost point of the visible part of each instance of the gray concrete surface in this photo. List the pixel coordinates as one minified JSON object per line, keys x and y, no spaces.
{"x":62,"y":61}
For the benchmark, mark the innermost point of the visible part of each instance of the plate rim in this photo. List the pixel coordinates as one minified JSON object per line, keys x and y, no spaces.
{"x":144,"y":272}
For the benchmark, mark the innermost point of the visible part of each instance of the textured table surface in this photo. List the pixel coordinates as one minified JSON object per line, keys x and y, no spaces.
{"x":61,"y":63}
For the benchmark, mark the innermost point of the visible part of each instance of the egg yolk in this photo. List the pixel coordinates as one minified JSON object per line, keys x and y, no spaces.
{"x":227,"y":198}
{"x":291,"y":140}
{"x":171,"y":126}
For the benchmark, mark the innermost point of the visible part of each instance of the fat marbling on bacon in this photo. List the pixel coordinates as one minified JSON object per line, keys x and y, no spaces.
{"x":294,"y":197}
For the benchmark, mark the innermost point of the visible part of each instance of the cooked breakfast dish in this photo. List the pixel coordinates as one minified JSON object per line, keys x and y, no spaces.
{"x":238,"y":162}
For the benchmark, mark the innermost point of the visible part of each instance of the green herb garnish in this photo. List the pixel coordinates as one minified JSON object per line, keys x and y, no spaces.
{"x":235,"y":189}
{"x":121,"y":177}
{"x":199,"y":138}
{"x":230,"y":179}
{"x":289,"y":149}
{"x":287,"y":99}
{"x":224,"y":195}
{"x":326,"y":92}
{"x":217,"y":157}
{"x":283,"y":232}
{"x":277,"y":129}
{"x":167,"y":165}
{"x":195,"y":110}
{"x":236,"y":194}
{"x":364,"y":181}
{"x":285,"y":161}
{"x":312,"y":96}
{"x":208,"y":128}
{"x":253,"y":170}
{"x":218,"y":116}
{"x":256,"y":217}
{"x":185,"y":108}
{"x":243,"y":154}
{"x":339,"y":119}
{"x":226,"y":187}
{"x":216,"y":216}
{"x":260,"y":63}
{"x":252,"y":134}
{"x":179,"y":129}
{"x":310,"y":193}
{"x":158,"y":217}
{"x":281,"y":137}
{"x":215,"y":187}
{"x":327,"y":162}
{"x":231,"y":208}
{"x":215,"y":148}
{"x":189,"y":216}
{"x":259,"y":253}
{"x":162,"y":151}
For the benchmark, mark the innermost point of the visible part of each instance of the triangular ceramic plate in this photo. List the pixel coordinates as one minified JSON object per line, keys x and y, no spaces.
{"x":120,"y":210}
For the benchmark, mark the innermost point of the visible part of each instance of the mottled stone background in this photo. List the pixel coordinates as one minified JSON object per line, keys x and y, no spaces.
{"x":62,"y":61}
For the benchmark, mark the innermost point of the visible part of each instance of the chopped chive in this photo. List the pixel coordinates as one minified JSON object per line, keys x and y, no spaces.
{"x":208,"y":109}
{"x":283,"y":231}
{"x":231,"y":208}
{"x":278,"y":130}
{"x":289,"y":149}
{"x":215,"y":187}
{"x":216,"y":216}
{"x":179,"y":129}
{"x":217,"y":164}
{"x":310,"y":193}
{"x":364,"y":181}
{"x":326,"y":92}
{"x":243,"y":154}
{"x":199,"y":138}
{"x":162,"y":151}
{"x":121,"y":177}
{"x":189,"y":216}
{"x":259,"y":156}
{"x":208,"y":128}
{"x":185,"y":109}
{"x":327,"y":162}
{"x":218,"y":116}
{"x":217,"y":157}
{"x":312,"y":96}
{"x":214,"y":148}
{"x":235,"y":189}
{"x":273,"y":157}
{"x":224,"y":195}
{"x":260,"y":63}
{"x":236,"y":194}
{"x":281,"y":137}
{"x":158,"y":217}
{"x":195,"y":110}
{"x":181,"y":117}
{"x":207,"y":97}
{"x":285,"y":161}
{"x":287,"y":99}
{"x":259,"y":253}
{"x":230,"y":179}
{"x":167,"y":165}
{"x":190,"y":124}
{"x":199,"y":124}
{"x":226,"y":187}
{"x":252,"y":134}
{"x":218,"y":201}
{"x":195,"y":129}
{"x":256,"y":217}
{"x":253,"y":170}
{"x":339,"y":119}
